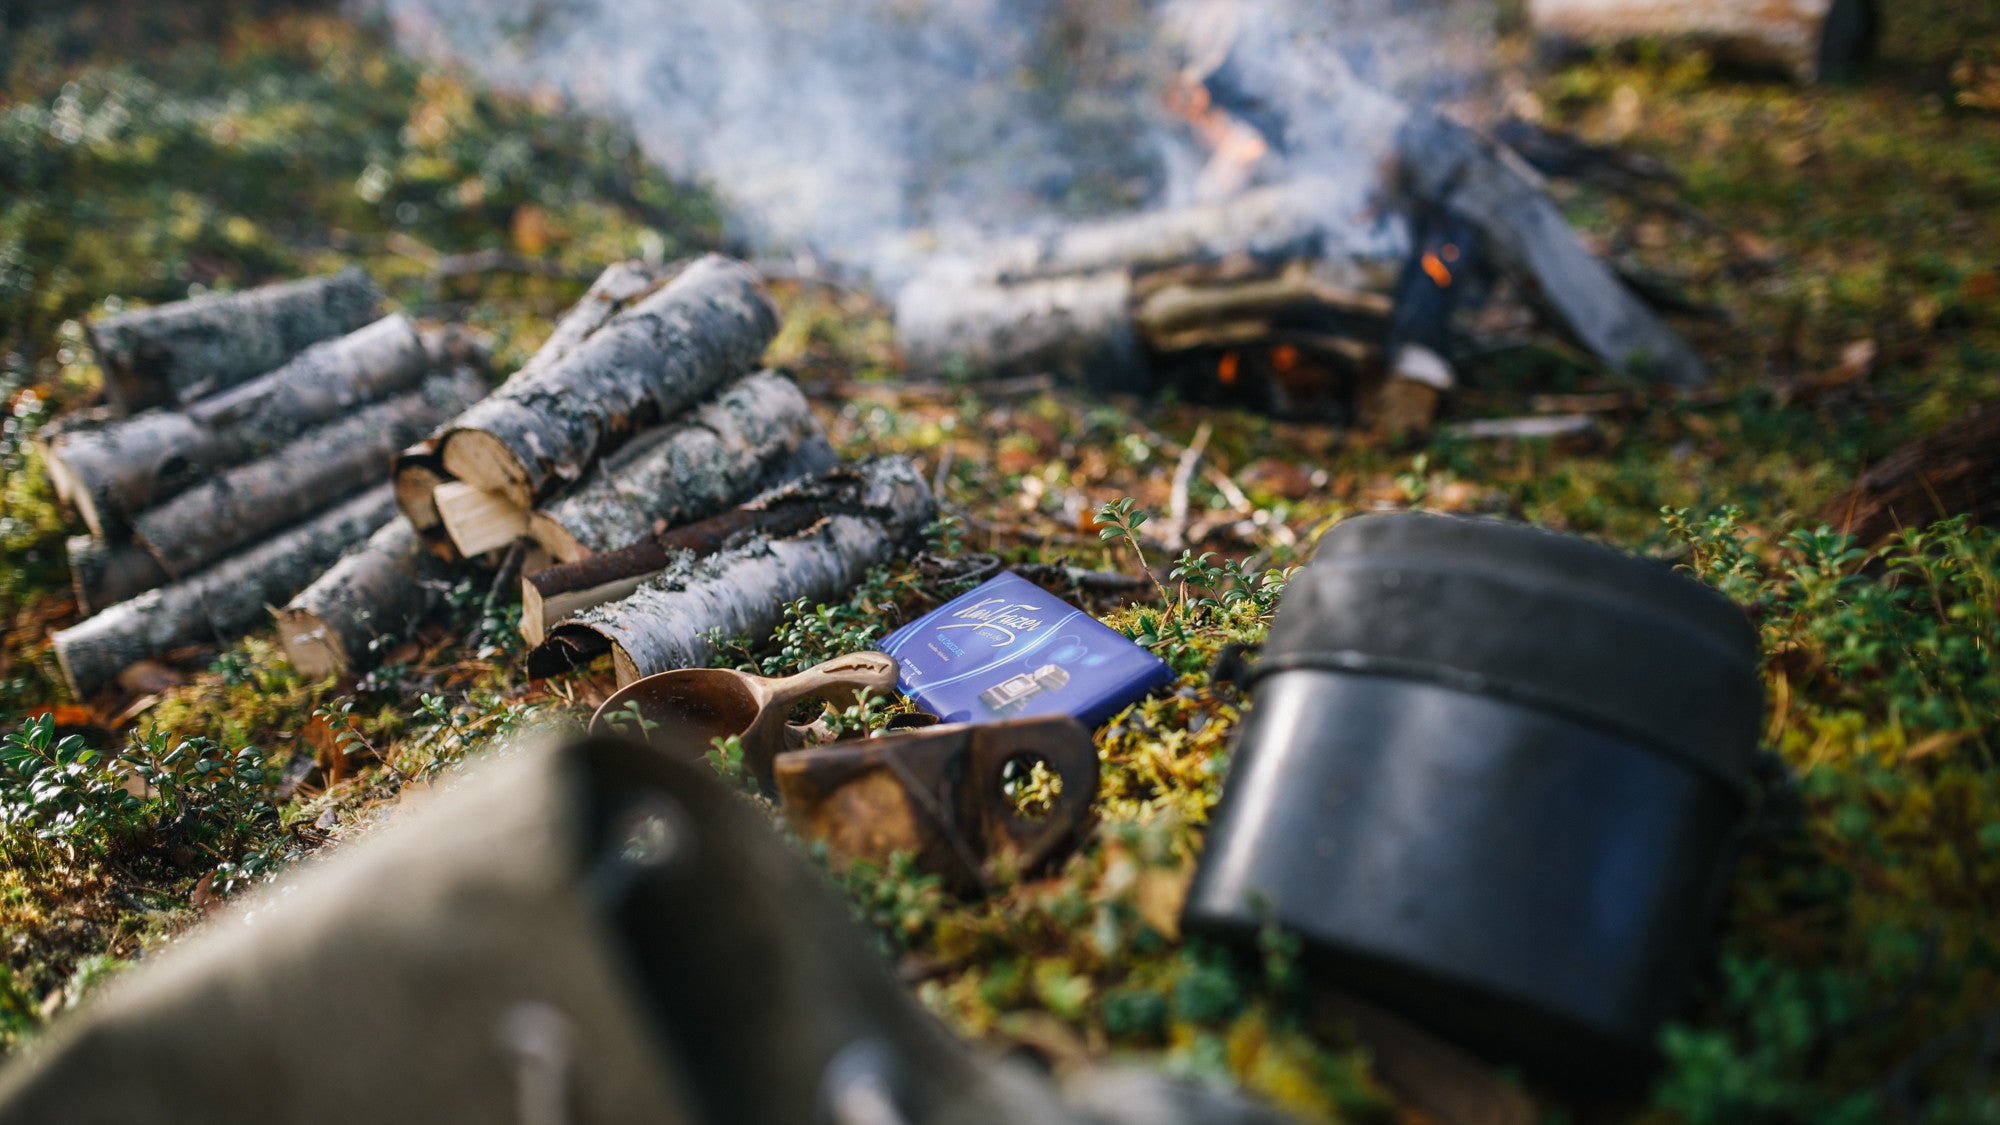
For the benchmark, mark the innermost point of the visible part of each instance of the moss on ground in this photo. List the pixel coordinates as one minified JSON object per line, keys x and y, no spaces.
{"x":1857,"y":959}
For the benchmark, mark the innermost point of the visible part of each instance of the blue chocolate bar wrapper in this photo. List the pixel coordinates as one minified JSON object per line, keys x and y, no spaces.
{"x":1010,"y":649}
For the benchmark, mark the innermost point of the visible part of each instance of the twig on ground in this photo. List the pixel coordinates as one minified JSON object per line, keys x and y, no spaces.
{"x":1177,"y":501}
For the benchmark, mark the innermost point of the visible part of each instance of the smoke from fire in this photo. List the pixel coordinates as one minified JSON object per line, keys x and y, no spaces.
{"x":872,"y":133}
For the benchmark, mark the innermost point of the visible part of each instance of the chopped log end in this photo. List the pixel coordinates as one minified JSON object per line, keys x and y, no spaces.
{"x":416,"y":481}
{"x":556,"y":539}
{"x":551,"y":607}
{"x":102,"y":575}
{"x":484,"y":461}
{"x":478,"y":520}
{"x":626,"y":668}
{"x":311,"y":647}
{"x":532,"y":625}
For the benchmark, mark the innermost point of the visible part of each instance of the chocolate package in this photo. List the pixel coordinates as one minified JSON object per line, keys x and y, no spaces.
{"x":1009,"y":649}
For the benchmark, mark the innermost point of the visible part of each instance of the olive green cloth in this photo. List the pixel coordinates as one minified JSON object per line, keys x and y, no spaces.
{"x":572,"y":935}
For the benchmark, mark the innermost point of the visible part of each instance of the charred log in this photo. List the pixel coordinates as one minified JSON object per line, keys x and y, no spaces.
{"x":647,"y":363}
{"x":373,"y":597}
{"x":1450,"y":169}
{"x":718,"y":454}
{"x":180,"y":352}
{"x":221,"y":602}
{"x":252,"y":500}
{"x":671,"y":621}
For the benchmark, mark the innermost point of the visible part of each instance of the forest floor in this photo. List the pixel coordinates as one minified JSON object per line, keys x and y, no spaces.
{"x":1857,"y":974}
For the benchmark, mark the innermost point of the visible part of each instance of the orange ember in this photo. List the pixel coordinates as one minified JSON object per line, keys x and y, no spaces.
{"x":1284,"y":357}
{"x":1439,"y":272}
{"x":1226,"y":370}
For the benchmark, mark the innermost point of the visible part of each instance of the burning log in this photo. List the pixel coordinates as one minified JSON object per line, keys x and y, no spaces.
{"x":1948,"y":472}
{"x":374,"y":596}
{"x":647,"y":363}
{"x":112,"y":473}
{"x":672,"y":620}
{"x":104,"y":574}
{"x":252,"y":500}
{"x":220,"y":602}
{"x":554,"y":593}
{"x":1812,"y":40}
{"x":1452,"y":170}
{"x":183,"y":351}
{"x":726,"y":450}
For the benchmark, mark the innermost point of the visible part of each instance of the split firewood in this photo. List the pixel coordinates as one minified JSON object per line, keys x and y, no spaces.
{"x":698,"y":466}
{"x":1450,"y":169}
{"x":112,"y":473}
{"x":668,"y":350}
{"x":551,"y":594}
{"x":221,"y":602}
{"x":1812,"y":40}
{"x":375,"y":596}
{"x":104,"y":574}
{"x":1949,"y":472}
{"x":673,"y":620}
{"x":478,"y":520}
{"x":420,"y":469}
{"x":180,"y":352}
{"x":250,"y":501}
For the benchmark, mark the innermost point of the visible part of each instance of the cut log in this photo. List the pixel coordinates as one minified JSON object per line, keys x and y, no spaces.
{"x":1811,"y":40}
{"x":177,"y":353}
{"x":1949,"y":472}
{"x":715,"y":456}
{"x":112,"y":473}
{"x":221,"y":602}
{"x":420,"y":469}
{"x":104,"y":574}
{"x":650,"y":362}
{"x":1079,"y":328}
{"x":673,"y":620}
{"x":478,"y":520}
{"x":252,"y":500}
{"x":552,"y":593}
{"x":1449,"y":168}
{"x":373,"y":597}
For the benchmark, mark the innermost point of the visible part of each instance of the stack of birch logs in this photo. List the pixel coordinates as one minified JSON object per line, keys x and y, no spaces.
{"x":644,"y":414}
{"x":257,"y":433}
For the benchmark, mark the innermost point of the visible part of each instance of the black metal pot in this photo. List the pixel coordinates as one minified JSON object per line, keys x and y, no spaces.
{"x":1491,"y":777}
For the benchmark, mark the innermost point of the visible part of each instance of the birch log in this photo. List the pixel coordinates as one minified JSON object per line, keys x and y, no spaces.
{"x":104,"y":574}
{"x":112,"y":473}
{"x":179,"y":352}
{"x":221,"y":602}
{"x":672,"y":621}
{"x":1812,"y":40}
{"x":556,"y":592}
{"x":1450,"y":168}
{"x":252,"y":500}
{"x":1079,"y":328}
{"x":420,"y":469}
{"x":693,"y":468}
{"x":374,"y":596}
{"x":651,"y":361}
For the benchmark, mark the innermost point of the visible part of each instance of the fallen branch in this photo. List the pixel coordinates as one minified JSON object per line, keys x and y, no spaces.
{"x":179,"y":352}
{"x":253,"y":500}
{"x":720,"y":453}
{"x":1948,"y":472}
{"x":111,"y":473}
{"x":674,"y":620}
{"x":218,"y":604}
{"x":648,"y":363}
{"x":372,"y":598}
